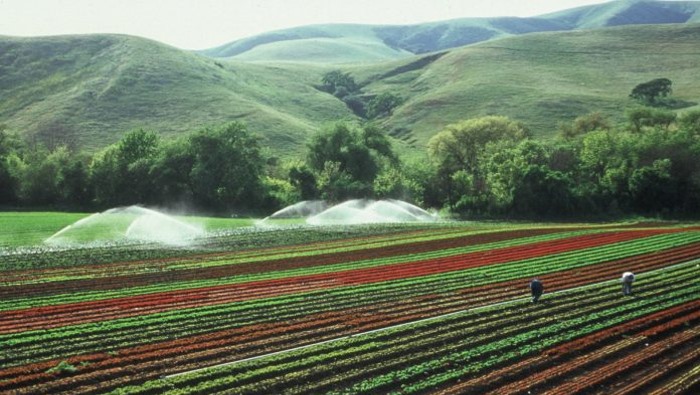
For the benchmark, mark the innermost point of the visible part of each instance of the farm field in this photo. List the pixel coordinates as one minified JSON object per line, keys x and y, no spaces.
{"x":438,"y":308}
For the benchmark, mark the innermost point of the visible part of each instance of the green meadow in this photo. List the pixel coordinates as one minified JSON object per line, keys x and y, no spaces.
{"x":24,"y":228}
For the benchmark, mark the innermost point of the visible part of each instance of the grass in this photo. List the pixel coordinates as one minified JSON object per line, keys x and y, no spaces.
{"x":542,"y":79}
{"x":21,"y":229}
{"x":31,"y":228}
{"x":87,"y":91}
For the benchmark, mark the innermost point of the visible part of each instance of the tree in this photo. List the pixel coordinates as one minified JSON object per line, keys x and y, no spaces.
{"x":304,"y":180}
{"x":338,"y":83}
{"x":52,"y":177}
{"x":73,"y":185}
{"x":690,"y":121}
{"x":336,"y":184}
{"x":227,"y":168}
{"x":459,"y":144}
{"x":8,"y":184}
{"x":538,"y":182}
{"x":394,"y":183}
{"x":649,"y":117}
{"x":120,"y":174}
{"x":458,"y":149}
{"x":357,"y":156}
{"x":648,"y":92}
{"x":170,"y":173}
{"x":382,"y":105}
{"x":584,"y":124}
{"x":652,"y":187}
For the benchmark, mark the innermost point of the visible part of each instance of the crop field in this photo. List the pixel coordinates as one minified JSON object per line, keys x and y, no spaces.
{"x":439,"y":308}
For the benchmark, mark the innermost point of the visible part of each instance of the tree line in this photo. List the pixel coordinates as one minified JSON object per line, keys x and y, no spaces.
{"x":484,"y":167}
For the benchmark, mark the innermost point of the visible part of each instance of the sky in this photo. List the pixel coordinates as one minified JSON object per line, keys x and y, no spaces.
{"x":201,"y":24}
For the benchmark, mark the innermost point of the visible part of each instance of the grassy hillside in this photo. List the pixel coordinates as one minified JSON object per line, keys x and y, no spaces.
{"x":88,"y":90}
{"x":540,"y":79}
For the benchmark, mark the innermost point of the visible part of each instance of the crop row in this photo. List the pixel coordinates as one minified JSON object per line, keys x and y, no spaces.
{"x":322,"y":266}
{"x":558,"y":363}
{"x":180,"y":323}
{"x":205,"y":255}
{"x":93,"y":278}
{"x":418,"y":259}
{"x":247,"y":238}
{"x":138,"y":361}
{"x":422,"y":355}
{"x":61,"y":315}
{"x":381,"y":316}
{"x":57,"y":316}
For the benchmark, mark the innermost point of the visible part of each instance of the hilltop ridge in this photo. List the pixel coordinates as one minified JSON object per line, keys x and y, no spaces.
{"x":370,"y":43}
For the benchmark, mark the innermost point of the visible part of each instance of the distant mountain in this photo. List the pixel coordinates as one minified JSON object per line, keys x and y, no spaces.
{"x":628,"y":12}
{"x":367,"y":43}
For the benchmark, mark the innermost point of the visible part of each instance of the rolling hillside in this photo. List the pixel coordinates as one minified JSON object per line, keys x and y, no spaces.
{"x":540,"y":79}
{"x":88,"y":90}
{"x":365,"y":43}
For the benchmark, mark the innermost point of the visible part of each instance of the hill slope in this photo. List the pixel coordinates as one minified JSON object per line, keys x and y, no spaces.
{"x":365,"y":43}
{"x":88,"y":90}
{"x":540,"y":79}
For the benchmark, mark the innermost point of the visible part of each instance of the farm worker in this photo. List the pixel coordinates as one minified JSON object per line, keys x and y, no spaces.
{"x":627,"y":280}
{"x":536,"y":288}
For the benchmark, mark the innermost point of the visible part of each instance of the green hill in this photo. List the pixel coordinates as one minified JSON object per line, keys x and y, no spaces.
{"x":540,"y":79}
{"x":344,"y":43}
{"x":88,"y":90}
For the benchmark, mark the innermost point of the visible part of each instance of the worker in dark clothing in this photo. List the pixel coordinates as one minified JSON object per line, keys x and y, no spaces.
{"x":537,"y":289}
{"x":627,"y":280}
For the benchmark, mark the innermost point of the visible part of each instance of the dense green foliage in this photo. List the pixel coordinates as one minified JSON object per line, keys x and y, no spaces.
{"x":633,"y":168}
{"x":649,"y":92}
{"x":487,"y":166}
{"x":349,"y":160}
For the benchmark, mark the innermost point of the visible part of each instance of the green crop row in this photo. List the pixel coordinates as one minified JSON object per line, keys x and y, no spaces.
{"x":32,"y":346}
{"x":486,"y":274}
{"x":17,"y":303}
{"x":408,"y":359}
{"x":40,"y":257}
{"x":353,"y":245}
{"x":257,"y":255}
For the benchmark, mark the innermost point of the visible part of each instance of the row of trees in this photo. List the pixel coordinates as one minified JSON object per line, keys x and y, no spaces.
{"x":490,"y":166}
{"x":220,"y":170}
{"x":216,"y":169}
{"x":483,"y":167}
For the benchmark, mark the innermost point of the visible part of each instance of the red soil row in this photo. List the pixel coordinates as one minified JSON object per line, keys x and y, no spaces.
{"x":114,"y":268}
{"x":549,"y":368}
{"x":116,"y":282}
{"x":93,"y":311}
{"x":152,"y":360}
